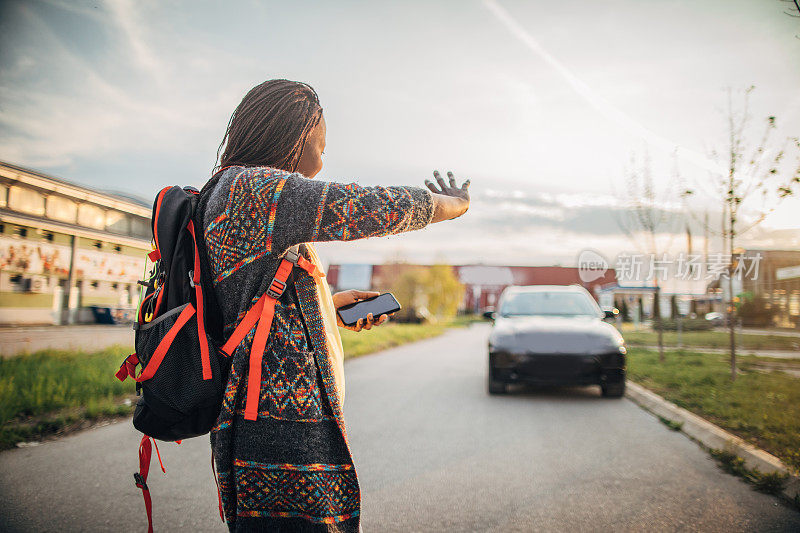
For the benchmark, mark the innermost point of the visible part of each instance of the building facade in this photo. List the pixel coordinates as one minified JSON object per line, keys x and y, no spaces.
{"x":482,"y":283}
{"x":65,"y":248}
{"x":777,"y":283}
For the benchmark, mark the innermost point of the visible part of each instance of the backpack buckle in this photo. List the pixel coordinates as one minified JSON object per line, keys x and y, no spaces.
{"x":191,"y":278}
{"x":139,"y":480}
{"x":292,"y":255}
{"x":276,"y":288}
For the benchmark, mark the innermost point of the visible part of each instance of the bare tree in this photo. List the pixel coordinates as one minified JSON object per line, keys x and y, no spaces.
{"x":758,"y":177}
{"x":647,"y":216}
{"x":794,"y":10}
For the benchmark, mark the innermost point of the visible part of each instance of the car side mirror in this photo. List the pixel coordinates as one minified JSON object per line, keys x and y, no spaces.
{"x":611,"y":313}
{"x":489,"y":313}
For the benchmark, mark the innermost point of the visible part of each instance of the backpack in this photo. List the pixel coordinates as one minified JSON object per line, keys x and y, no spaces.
{"x":179,"y":341}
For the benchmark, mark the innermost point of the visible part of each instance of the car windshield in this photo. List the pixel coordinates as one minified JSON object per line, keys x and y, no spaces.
{"x":548,"y":303}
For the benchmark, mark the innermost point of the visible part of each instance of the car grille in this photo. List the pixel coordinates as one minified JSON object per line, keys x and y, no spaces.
{"x":559,"y":364}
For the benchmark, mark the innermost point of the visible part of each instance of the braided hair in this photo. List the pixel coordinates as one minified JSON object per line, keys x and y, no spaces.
{"x":270,"y":126}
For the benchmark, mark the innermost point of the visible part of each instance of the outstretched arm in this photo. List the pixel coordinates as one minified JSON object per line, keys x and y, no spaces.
{"x":314,"y":211}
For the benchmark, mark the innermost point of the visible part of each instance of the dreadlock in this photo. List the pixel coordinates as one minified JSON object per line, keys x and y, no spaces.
{"x":270,"y":126}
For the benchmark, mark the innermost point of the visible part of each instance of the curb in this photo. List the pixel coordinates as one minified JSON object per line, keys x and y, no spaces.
{"x":711,"y":436}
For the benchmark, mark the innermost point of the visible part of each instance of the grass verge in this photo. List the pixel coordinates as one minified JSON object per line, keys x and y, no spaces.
{"x":53,"y":392}
{"x":771,"y":483}
{"x":763,"y":408}
{"x":388,"y":336}
{"x":46,"y":392}
{"x":713,"y":339}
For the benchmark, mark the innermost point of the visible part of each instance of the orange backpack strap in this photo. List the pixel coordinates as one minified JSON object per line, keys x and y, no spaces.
{"x":261,"y":315}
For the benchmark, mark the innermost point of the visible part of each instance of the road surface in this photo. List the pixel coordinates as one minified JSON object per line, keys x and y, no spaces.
{"x":434,"y":452}
{"x":15,"y":340}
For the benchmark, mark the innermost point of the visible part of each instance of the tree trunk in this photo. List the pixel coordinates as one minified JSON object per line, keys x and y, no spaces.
{"x":732,"y":326}
{"x":657,"y":319}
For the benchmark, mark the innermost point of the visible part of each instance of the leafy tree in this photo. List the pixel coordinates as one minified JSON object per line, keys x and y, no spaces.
{"x":409,"y":290}
{"x":443,"y":290}
{"x":435,"y":288}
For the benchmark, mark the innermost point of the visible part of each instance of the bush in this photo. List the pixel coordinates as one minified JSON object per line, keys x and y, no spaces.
{"x":755,"y":313}
{"x":426,"y":291}
{"x":689,"y":324}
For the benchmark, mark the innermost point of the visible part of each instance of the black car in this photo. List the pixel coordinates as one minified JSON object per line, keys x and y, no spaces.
{"x":554,"y":335}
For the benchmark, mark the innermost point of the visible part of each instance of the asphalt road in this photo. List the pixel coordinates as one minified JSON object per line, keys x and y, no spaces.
{"x":434,"y":453}
{"x":15,"y":340}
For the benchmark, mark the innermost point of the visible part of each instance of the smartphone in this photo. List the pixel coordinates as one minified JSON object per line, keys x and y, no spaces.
{"x":383,"y":304}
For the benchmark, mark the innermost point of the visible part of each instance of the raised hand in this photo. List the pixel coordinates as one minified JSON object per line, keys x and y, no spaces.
{"x":449,"y":200}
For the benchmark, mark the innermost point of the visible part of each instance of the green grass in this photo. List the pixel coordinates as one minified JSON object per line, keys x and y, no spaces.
{"x":761,"y":407}
{"x":387,"y":336}
{"x":45,"y":392}
{"x":713,"y":339}
{"x":771,"y":483}
{"x":671,"y":424}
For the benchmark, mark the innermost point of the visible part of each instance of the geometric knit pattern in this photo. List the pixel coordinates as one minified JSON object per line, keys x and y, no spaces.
{"x":351,"y":212}
{"x":319,"y":493}
{"x":290,"y":392}
{"x":254,"y":198}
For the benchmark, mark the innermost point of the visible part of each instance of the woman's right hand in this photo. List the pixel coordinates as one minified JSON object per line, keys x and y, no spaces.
{"x":449,"y":200}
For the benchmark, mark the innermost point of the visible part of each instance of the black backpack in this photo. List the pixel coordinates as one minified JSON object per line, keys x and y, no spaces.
{"x":179,"y":341}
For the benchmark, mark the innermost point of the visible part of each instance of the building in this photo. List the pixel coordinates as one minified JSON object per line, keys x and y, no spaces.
{"x":482,"y":283}
{"x":777,"y":282}
{"x":65,"y":248}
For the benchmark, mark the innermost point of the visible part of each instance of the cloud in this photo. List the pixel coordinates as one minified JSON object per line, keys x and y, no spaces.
{"x":127,"y":18}
{"x":515,"y":227}
{"x":79,"y":111}
{"x":598,"y":102}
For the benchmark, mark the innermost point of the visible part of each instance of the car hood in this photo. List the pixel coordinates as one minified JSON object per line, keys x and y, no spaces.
{"x":554,"y":334}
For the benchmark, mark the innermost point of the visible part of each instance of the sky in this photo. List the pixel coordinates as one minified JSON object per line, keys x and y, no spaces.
{"x":542,"y":105}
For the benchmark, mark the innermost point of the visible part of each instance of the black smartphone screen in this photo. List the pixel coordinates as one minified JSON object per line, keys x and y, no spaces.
{"x":384,"y":304}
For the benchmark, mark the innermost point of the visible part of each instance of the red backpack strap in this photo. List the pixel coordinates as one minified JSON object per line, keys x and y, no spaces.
{"x":128,"y":368}
{"x":140,"y":477}
{"x":194,"y":277}
{"x":216,"y":480}
{"x":276,"y":288}
{"x":261,"y":315}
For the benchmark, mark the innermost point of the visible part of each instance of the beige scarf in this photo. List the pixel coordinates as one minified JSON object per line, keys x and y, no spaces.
{"x":328,"y":311}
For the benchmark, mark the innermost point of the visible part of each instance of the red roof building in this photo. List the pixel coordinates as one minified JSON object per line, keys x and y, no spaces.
{"x":482,"y":283}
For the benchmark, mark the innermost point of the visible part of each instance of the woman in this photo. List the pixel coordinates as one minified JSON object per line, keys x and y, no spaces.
{"x":290,"y":469}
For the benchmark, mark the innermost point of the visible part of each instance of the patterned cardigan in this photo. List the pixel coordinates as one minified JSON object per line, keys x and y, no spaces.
{"x":291,"y":469}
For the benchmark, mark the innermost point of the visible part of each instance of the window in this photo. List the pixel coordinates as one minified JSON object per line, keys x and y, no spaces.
{"x":117,"y":222}
{"x":98,"y":245}
{"x":94,"y":284}
{"x":48,"y":236}
{"x":117,"y":248}
{"x":25,"y":200}
{"x":60,"y":208}
{"x":556,"y":303}
{"x":91,"y":216}
{"x":21,"y":232}
{"x":115,"y":286}
{"x":140,"y":227}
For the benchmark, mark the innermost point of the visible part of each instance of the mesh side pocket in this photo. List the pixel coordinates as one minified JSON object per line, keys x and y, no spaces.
{"x":176,"y":398}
